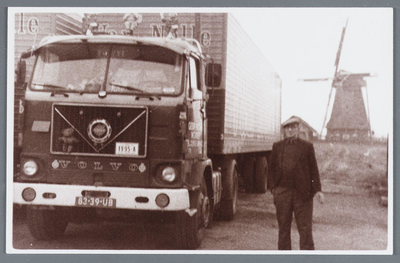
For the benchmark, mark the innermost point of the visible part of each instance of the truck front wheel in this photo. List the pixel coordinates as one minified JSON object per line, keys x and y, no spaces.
{"x":190,"y":229}
{"x":46,"y":224}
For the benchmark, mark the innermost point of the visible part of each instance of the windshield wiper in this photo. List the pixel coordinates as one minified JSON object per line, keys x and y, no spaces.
{"x":54,"y":87}
{"x":49,"y":85}
{"x":142,"y":92}
{"x":127,"y":87}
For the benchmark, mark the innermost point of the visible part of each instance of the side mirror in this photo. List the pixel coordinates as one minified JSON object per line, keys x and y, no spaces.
{"x":213,"y":75}
{"x":21,"y":73}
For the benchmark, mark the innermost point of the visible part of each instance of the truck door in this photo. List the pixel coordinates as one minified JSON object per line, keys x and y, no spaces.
{"x":195,"y":138}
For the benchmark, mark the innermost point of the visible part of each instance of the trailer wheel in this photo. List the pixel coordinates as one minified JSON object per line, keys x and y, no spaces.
{"x":46,"y":224}
{"x":261,"y":175}
{"x":227,"y":208}
{"x":190,"y":229}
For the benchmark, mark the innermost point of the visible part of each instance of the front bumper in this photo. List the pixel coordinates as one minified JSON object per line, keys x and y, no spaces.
{"x":125,"y":197}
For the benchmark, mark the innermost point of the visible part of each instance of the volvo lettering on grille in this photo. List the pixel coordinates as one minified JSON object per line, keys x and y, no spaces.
{"x":99,"y":130}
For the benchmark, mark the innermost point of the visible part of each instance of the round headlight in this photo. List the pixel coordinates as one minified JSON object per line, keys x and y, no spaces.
{"x":168,"y":174}
{"x":30,"y":168}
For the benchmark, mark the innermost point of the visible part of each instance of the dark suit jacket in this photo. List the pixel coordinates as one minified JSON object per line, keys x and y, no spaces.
{"x":307,"y":179}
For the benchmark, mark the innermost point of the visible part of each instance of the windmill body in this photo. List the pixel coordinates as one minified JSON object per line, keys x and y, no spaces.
{"x":349,"y":120}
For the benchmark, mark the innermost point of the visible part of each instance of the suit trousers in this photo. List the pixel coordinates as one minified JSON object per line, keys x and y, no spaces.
{"x":286,"y":203}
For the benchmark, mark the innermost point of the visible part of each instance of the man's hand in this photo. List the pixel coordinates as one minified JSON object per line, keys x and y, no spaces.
{"x":320,"y":197}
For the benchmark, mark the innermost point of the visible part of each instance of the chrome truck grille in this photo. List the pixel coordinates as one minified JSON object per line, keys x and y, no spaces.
{"x":99,"y":130}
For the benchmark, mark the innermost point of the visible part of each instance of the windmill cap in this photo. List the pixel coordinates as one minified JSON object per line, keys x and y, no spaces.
{"x":290,"y":121}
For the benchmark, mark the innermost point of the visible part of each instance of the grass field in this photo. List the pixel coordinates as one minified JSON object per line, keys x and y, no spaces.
{"x":353,"y":167}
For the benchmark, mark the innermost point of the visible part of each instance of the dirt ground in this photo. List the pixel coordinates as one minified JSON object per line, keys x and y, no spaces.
{"x":351,"y":218}
{"x":343,"y":222}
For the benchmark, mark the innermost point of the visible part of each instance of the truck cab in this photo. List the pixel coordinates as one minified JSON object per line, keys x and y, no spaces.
{"x":117,"y":123}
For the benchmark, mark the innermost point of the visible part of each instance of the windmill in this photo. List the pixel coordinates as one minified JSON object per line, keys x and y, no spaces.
{"x":349,"y":119}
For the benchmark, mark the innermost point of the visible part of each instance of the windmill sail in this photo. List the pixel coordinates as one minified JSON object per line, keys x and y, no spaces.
{"x":340,"y":47}
{"x":338,"y":53}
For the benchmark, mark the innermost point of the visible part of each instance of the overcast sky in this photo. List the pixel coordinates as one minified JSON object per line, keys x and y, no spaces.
{"x":302,"y":43}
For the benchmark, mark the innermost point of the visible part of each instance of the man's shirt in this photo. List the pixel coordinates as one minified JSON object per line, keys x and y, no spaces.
{"x":289,"y":159}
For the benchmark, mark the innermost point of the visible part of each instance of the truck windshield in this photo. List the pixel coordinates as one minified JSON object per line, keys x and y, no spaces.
{"x":118,"y":68}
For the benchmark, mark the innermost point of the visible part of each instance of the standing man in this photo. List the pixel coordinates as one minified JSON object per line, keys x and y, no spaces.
{"x":294,"y":180}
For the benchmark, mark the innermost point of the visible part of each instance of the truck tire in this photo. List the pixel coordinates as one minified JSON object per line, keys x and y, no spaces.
{"x":46,"y":224}
{"x":248,"y":174}
{"x":227,"y":209}
{"x":261,"y":175}
{"x":190,"y":229}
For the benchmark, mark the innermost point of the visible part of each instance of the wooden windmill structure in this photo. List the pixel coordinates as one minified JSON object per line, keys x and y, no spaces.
{"x":349,"y":120}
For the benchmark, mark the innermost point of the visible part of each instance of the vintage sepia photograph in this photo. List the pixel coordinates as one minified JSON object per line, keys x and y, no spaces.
{"x":200,"y":130}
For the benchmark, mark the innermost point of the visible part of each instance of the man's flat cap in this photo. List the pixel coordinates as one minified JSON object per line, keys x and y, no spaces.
{"x":290,"y":121}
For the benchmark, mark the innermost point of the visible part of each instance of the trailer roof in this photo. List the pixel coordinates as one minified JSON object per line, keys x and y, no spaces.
{"x":178,"y":45}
